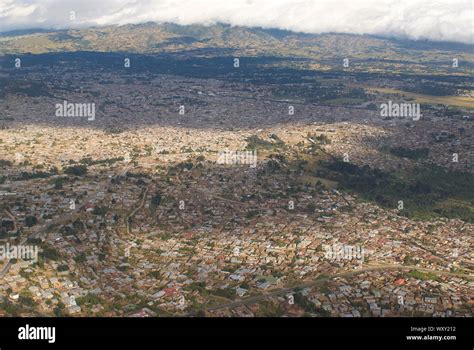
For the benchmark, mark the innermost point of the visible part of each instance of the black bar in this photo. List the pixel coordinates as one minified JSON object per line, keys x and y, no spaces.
{"x":366,"y":332}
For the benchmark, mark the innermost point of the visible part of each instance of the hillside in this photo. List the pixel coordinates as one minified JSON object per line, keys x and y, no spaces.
{"x":325,"y":51}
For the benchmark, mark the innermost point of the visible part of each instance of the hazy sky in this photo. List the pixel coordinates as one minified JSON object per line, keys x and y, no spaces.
{"x":450,"y":20}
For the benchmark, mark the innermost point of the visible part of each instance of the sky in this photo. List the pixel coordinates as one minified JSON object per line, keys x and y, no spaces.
{"x":438,"y":20}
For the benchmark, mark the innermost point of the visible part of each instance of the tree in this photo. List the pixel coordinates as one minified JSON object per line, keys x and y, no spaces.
{"x":77,"y":170}
{"x":31,"y":221}
{"x":62,"y":268}
{"x":100,"y":210}
{"x":50,"y":253}
{"x":81,"y":258}
{"x":58,"y":311}
{"x":156,"y":199}
{"x":311,"y":207}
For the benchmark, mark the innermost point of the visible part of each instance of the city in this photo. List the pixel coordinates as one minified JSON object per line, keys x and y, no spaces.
{"x":161,"y":170}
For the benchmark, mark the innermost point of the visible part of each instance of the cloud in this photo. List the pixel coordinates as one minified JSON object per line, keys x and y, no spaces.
{"x":446,"y":20}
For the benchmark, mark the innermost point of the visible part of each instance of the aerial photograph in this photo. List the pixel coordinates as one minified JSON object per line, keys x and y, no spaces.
{"x":264,"y":159}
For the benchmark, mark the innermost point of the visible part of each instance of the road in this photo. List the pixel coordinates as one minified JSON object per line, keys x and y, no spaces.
{"x":134,"y":211}
{"x":258,"y":298}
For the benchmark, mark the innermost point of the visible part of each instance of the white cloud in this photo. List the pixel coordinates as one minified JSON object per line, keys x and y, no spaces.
{"x":449,"y":20}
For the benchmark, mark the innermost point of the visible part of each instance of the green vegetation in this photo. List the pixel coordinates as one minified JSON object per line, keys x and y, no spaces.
{"x":270,"y":309}
{"x":58,"y":183}
{"x":137,"y":175}
{"x":427,"y":192}
{"x":109,"y":161}
{"x":156,"y":199}
{"x":414,"y":154}
{"x":185,"y":165}
{"x":256,"y":143}
{"x":408,"y":260}
{"x":228,"y":293}
{"x":98,"y":210}
{"x":31,"y":176}
{"x":11,"y":309}
{"x":155,"y":274}
{"x":26,"y":300}
{"x":424,"y":276}
{"x":199,"y":286}
{"x":63,"y":268}
{"x":50,"y":253}
{"x":59,"y":310}
{"x":77,"y":170}
{"x":88,"y":299}
{"x":308,"y":306}
{"x":80,"y":258}
{"x":311,"y":207}
{"x":30,"y":221}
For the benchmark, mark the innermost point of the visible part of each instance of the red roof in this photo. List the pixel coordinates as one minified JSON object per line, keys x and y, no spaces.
{"x":169,"y":291}
{"x":400,"y":282}
{"x":188,"y":235}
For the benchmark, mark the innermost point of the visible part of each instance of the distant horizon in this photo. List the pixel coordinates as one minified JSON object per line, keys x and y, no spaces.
{"x":27,"y":31}
{"x":420,"y":20}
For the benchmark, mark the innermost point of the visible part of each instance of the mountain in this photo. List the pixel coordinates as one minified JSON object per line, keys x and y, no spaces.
{"x":243,"y":41}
